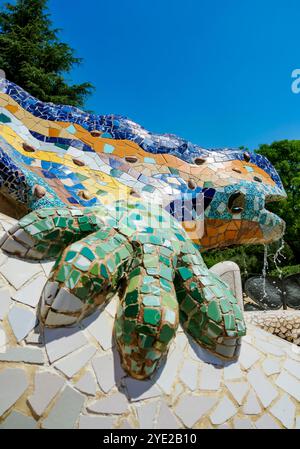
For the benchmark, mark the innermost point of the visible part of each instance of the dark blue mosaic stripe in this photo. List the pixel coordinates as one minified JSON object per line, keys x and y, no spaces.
{"x":118,"y":127}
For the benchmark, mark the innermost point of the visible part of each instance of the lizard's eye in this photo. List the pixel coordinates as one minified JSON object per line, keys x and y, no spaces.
{"x":236,"y":203}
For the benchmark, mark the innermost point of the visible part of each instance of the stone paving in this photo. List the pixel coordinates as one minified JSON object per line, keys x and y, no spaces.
{"x":72,"y":378}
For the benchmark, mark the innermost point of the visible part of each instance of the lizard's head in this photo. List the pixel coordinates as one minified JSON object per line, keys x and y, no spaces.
{"x":240,"y":186}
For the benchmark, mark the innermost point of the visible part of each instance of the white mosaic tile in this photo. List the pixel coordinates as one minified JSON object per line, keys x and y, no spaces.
{"x":47,"y":267}
{"x":243,"y":423}
{"x":284,"y":410}
{"x":263,"y":388}
{"x":210,"y":378}
{"x":102,"y":329}
{"x":87,"y":384}
{"x":61,"y":342}
{"x":105,"y":372}
{"x":17,"y":272}
{"x":248,"y":356}
{"x":271,"y":367}
{"x":71,"y":364}
{"x":64,"y":301}
{"x":22,"y":321}
{"x":5,"y":302}
{"x":13,"y":383}
{"x":31,"y":293}
{"x":96,"y":422}
{"x":238,"y":390}
{"x":189,"y":374}
{"x":70,"y":400}
{"x":268,"y":348}
{"x":111,"y":307}
{"x":115,"y":404}
{"x":252,"y":406}
{"x":146,"y":414}
{"x":266,"y":422}
{"x":289,"y":384}
{"x":17,"y":420}
{"x":167,"y":372}
{"x":233,"y":372}
{"x":138,"y":391}
{"x":34,"y":338}
{"x":2,"y":338}
{"x":23,"y":354}
{"x":224,"y":411}
{"x":166,"y":419}
{"x":46,"y":387}
{"x":292,"y":367}
{"x":191,"y":408}
{"x":126,"y":424}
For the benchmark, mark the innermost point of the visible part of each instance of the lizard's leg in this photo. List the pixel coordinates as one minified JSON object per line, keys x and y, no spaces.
{"x":147,"y":316}
{"x":208,"y":310}
{"x":84,"y":277}
{"x":46,"y":232}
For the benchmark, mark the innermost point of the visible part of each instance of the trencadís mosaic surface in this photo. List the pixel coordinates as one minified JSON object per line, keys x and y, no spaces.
{"x":123,"y":210}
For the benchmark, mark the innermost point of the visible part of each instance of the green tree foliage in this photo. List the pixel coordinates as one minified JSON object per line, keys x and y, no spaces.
{"x":285,"y":156}
{"x":33,"y":57}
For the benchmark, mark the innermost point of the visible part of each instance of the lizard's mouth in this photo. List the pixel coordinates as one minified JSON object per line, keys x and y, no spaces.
{"x":265,"y":228}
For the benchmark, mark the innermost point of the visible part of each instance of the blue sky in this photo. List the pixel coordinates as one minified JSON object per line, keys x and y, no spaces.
{"x":216,"y":72}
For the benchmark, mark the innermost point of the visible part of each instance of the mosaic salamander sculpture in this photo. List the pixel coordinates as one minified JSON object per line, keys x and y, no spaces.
{"x":123,"y":210}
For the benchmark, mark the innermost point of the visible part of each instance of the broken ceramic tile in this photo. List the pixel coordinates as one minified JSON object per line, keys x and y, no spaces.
{"x":22,"y":320}
{"x":63,"y":341}
{"x":17,"y":421}
{"x":190,"y":408}
{"x":13,"y":383}
{"x":71,"y":364}
{"x":46,"y":387}
{"x":115,"y":404}
{"x":70,"y":400}
{"x":87,"y":384}
{"x":33,"y":356}
{"x":31,"y":293}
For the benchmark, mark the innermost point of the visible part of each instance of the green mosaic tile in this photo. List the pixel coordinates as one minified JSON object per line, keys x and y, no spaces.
{"x":146,"y":341}
{"x":103,"y":271}
{"x":111,"y":265}
{"x":166,"y":334}
{"x":187,"y":305}
{"x":54,"y":250}
{"x":60,"y":222}
{"x":214,"y":312}
{"x":152,"y":316}
{"x":73,"y":279}
{"x":206,"y":340}
{"x":82,"y":293}
{"x":185,"y":273}
{"x":237,"y":312}
{"x":129,"y":326}
{"x":151,"y":301}
{"x":225,"y":305}
{"x":166,"y":272}
{"x":132,"y":298}
{"x":70,"y":256}
{"x":229,"y":322}
{"x":100,"y":253}
{"x":86,"y":252}
{"x":167,"y":286}
{"x":214,"y":330}
{"x":82,"y":263}
{"x":132,"y":311}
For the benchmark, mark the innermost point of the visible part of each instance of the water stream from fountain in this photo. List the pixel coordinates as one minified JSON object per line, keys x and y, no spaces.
{"x":264,"y":270}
